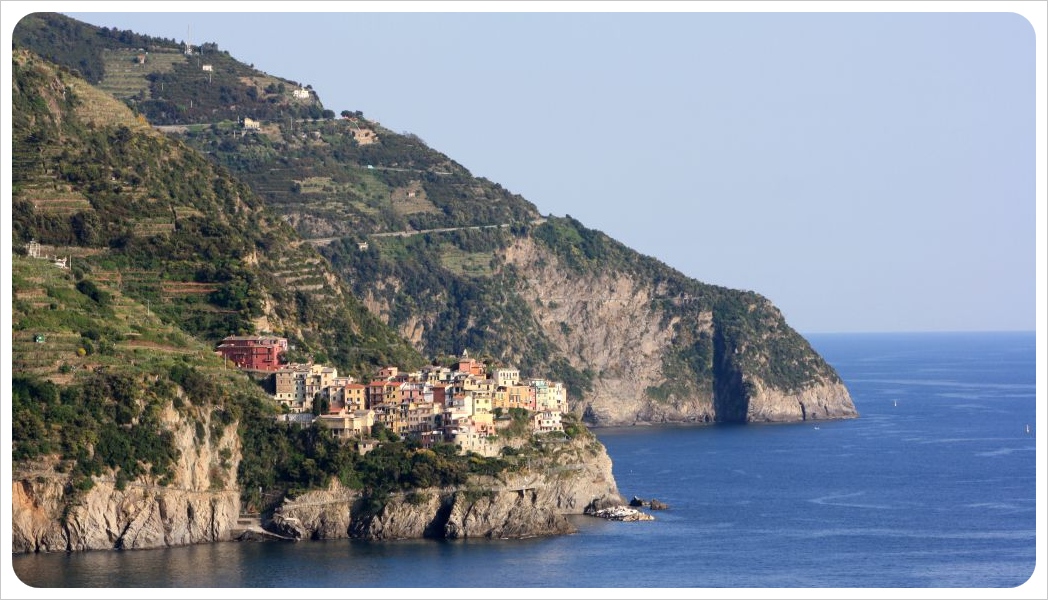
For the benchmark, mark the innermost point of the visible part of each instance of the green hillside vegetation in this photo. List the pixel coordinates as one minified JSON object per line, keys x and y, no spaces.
{"x":173,"y":231}
{"x":94,"y":370}
{"x":169,"y":254}
{"x":318,"y":169}
{"x":433,"y":232}
{"x":341,"y":181}
{"x":159,"y":79}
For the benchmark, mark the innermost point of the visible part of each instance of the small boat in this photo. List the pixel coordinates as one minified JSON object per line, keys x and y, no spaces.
{"x":895,"y":403}
{"x":1027,"y":429}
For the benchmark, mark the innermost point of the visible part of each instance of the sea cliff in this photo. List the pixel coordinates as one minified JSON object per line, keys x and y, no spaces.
{"x":564,"y":478}
{"x":200,"y":504}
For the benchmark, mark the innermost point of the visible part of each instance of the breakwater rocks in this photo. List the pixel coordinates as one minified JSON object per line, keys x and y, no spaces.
{"x":621,"y":513}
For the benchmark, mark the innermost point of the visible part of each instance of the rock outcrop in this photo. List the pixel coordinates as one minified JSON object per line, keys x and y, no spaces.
{"x":568,"y":478}
{"x":201,"y":503}
{"x":618,"y":332}
{"x":472,"y":513}
{"x":820,"y":402}
{"x":621,"y":513}
{"x":321,"y":514}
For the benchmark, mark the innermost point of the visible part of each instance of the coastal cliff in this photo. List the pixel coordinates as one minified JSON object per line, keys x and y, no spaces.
{"x":661,"y":356}
{"x":172,"y":251}
{"x":200,"y":504}
{"x":636,"y":342}
{"x":561,"y":478}
{"x":820,"y":402}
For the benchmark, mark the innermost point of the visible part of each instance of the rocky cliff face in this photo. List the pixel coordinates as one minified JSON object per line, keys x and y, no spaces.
{"x":610,"y":330}
{"x":614,"y":330}
{"x":566,"y":479}
{"x":200,"y":505}
{"x":820,"y":402}
{"x":454,"y":514}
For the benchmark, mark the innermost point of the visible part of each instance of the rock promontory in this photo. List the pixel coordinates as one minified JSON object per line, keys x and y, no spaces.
{"x":567,"y":478}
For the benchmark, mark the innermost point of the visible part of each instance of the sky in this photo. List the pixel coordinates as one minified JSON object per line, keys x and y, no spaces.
{"x":864,"y":171}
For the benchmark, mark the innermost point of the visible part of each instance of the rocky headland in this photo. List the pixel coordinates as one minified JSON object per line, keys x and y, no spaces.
{"x":568,"y":478}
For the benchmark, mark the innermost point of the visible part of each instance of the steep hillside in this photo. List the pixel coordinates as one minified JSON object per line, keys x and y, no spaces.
{"x":635,"y":341}
{"x":166,"y":80}
{"x":455,"y":262}
{"x":133,"y":255}
{"x":119,"y":419}
{"x":157,"y":221}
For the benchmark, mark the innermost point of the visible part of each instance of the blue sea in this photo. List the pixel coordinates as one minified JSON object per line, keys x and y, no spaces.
{"x":934,"y":486}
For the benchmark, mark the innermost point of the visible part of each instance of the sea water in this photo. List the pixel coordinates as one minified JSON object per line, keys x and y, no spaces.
{"x":933,"y":486}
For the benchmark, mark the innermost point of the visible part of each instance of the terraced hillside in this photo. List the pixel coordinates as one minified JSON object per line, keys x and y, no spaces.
{"x":156,"y":222}
{"x":160,"y":79}
{"x":455,"y":262}
{"x":133,"y":255}
{"x":62,"y":326}
{"x":127,"y":70}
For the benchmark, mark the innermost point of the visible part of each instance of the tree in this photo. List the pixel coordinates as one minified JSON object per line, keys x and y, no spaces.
{"x":346,"y":114}
{"x":321,"y":404}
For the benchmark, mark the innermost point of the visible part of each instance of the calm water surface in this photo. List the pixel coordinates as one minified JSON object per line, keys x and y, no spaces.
{"x":934,"y":486}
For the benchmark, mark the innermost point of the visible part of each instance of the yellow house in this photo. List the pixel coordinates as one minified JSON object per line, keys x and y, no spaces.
{"x":351,"y":395}
{"x":482,"y":402}
{"x":513,"y":396}
{"x":349,"y":425}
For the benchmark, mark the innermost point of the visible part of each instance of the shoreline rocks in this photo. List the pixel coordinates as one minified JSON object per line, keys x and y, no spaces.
{"x":621,"y":513}
{"x":653,"y":504}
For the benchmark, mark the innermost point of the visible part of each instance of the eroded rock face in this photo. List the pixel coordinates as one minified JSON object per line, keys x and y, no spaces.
{"x":826,"y":401}
{"x":322,"y":514}
{"x":615,"y":333}
{"x":612,"y":332}
{"x":508,"y":514}
{"x":567,"y":479}
{"x":201,"y":504}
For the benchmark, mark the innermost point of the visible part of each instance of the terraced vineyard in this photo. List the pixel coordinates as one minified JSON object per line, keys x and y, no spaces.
{"x":50,"y":196}
{"x":58,"y":331}
{"x":98,"y":108}
{"x":308,"y":275}
{"x":125,"y":76}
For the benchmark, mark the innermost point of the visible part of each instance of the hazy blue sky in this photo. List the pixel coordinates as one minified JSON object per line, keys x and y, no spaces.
{"x":864,"y":171}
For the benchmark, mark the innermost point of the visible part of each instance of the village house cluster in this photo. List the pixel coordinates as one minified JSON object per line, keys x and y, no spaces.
{"x":465,"y":405}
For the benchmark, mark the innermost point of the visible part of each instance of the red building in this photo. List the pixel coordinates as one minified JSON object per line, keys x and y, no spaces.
{"x":470,"y":365}
{"x":253,"y":352}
